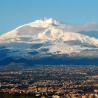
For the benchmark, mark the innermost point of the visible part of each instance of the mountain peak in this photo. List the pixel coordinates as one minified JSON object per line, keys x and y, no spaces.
{"x":46,"y":29}
{"x":45,"y":22}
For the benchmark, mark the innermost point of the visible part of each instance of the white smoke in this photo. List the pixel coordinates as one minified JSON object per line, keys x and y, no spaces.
{"x":78,"y":28}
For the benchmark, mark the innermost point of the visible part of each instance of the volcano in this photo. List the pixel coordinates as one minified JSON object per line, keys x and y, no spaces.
{"x":47,"y":41}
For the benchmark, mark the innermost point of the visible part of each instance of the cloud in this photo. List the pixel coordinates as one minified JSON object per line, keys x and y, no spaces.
{"x":78,"y":28}
{"x":89,"y":26}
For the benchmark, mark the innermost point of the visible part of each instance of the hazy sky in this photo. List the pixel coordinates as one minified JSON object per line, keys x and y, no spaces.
{"x":17,"y":12}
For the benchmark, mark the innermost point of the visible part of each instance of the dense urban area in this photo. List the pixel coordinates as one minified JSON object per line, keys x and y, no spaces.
{"x":49,"y":81}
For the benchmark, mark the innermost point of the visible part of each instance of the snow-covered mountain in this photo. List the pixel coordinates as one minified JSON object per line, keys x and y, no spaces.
{"x":47,"y":38}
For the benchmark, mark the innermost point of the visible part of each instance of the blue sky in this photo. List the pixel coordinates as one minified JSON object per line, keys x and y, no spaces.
{"x":14,"y":13}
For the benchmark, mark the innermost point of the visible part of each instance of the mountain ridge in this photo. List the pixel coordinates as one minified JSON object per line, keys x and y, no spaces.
{"x":45,"y":41}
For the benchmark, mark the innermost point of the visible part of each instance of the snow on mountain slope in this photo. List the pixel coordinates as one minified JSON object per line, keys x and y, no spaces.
{"x":53,"y":32}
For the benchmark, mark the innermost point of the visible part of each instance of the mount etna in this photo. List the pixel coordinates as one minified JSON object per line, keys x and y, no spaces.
{"x":47,"y":41}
